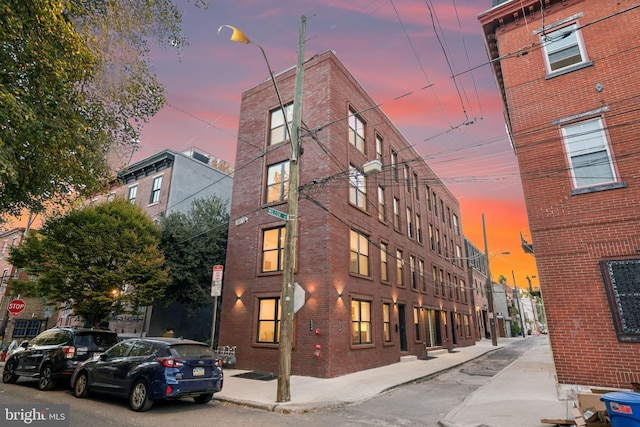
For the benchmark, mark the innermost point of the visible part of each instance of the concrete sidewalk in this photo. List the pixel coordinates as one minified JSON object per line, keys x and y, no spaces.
{"x":521,"y":394}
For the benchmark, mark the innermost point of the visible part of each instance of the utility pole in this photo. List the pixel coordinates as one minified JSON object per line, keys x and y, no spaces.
{"x":286,"y":323}
{"x":515,"y":288}
{"x":492,"y":317}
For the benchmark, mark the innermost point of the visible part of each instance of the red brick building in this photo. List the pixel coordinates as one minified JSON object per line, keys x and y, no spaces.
{"x":380,"y":256}
{"x":570,"y":83}
{"x":35,"y":317}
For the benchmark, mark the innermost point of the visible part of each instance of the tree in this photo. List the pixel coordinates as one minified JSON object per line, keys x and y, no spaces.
{"x":76,"y":85}
{"x":193,"y":243}
{"x":100,"y":260}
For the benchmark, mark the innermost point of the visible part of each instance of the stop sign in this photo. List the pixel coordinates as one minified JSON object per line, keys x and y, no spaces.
{"x":15,"y":307}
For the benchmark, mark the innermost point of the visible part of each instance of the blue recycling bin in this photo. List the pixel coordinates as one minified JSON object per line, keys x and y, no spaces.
{"x":623,"y":408}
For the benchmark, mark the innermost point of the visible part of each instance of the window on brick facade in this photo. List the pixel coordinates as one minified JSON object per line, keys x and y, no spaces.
{"x":382,"y":213}
{"x":434,"y":278}
{"x":407,"y":178}
{"x":419,"y":228}
{"x":396,"y":213}
{"x":463,"y":291}
{"x":356,"y":131}
{"x":279,"y":130}
{"x":588,"y":152}
{"x":359,"y":258}
{"x":563,"y":48}
{"x":386,"y":321}
{"x":414,"y":275}
{"x":409,"y":223}
{"x":394,"y":165}
{"x":155,"y":189}
{"x":422,"y":278}
{"x":384,"y":262}
{"x":360,"y":322}
{"x":26,"y":328}
{"x":278,"y":182}
{"x":273,"y":249}
{"x":416,"y":322}
{"x":357,"y":188}
{"x":379,"y":148}
{"x":399,"y":268}
{"x":269,"y":315}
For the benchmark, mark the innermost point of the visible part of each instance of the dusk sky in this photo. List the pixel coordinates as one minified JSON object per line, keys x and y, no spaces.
{"x":394,"y":49}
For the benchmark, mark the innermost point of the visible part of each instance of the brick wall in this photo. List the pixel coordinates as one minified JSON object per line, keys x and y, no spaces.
{"x":325,"y":219}
{"x":573,"y":232}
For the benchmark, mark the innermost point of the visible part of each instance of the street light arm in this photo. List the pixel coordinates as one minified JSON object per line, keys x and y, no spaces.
{"x":240,"y":37}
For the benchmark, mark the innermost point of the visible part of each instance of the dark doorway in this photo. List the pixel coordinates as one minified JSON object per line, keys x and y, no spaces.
{"x":454,"y":328}
{"x":402,"y":327}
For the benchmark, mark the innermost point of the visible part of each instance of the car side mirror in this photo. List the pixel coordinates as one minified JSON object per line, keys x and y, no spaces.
{"x":24,"y":344}
{"x":103,"y":357}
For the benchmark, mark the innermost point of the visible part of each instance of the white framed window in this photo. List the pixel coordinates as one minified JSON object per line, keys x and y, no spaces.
{"x":133,"y":192}
{"x":155,"y":190}
{"x":278,"y":182}
{"x":563,"y":48}
{"x":278,"y":129}
{"x":356,"y":131}
{"x":588,"y":153}
{"x":357,"y":188}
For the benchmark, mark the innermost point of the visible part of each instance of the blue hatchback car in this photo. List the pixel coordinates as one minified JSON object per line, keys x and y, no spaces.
{"x":148,"y":369}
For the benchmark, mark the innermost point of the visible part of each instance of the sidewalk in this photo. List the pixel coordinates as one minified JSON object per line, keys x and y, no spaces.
{"x":524,"y":392}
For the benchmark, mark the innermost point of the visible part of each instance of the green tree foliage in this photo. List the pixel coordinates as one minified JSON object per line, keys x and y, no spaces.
{"x":76,"y":85}
{"x":97,"y":260}
{"x":193,"y":243}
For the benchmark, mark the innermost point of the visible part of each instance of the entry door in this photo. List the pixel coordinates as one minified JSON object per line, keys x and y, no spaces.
{"x":402,"y":321}
{"x":454,"y":328}
{"x":432,"y":328}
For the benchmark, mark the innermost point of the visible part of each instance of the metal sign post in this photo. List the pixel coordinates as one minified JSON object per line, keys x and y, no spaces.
{"x":216,"y":291}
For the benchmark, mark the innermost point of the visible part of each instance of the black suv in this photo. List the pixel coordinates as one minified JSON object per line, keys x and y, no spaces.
{"x":55,"y":353}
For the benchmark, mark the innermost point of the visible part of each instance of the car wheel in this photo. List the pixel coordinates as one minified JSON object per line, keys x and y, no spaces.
{"x":139,"y":397}
{"x":46,"y":378}
{"x":80,"y":387}
{"x":9,"y":373}
{"x":203,"y":398}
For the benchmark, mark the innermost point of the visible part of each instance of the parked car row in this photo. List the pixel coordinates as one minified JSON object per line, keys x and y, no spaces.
{"x":140,"y":369}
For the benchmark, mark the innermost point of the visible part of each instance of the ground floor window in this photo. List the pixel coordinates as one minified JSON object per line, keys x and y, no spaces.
{"x":386,"y":321}
{"x":269,"y":313}
{"x":360,"y":322}
{"x":26,"y":328}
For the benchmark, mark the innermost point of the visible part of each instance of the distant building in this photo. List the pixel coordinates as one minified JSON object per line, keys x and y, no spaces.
{"x":160,"y":184}
{"x":379,"y":256}
{"x":34,"y":318}
{"x":567,"y":71}
{"x":477,"y":279}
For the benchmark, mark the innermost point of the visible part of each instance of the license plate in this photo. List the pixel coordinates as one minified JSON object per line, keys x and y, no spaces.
{"x":198,"y":372}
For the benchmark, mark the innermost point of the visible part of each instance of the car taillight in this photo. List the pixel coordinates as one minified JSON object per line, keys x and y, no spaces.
{"x":170,"y":362}
{"x":69,"y":351}
{"x":168,"y":390}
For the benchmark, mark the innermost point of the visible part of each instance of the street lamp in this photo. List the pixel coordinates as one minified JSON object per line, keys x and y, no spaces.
{"x":492,"y":317}
{"x":286,"y":325}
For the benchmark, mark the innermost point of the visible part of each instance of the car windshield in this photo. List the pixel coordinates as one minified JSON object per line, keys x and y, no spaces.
{"x":191,"y":351}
